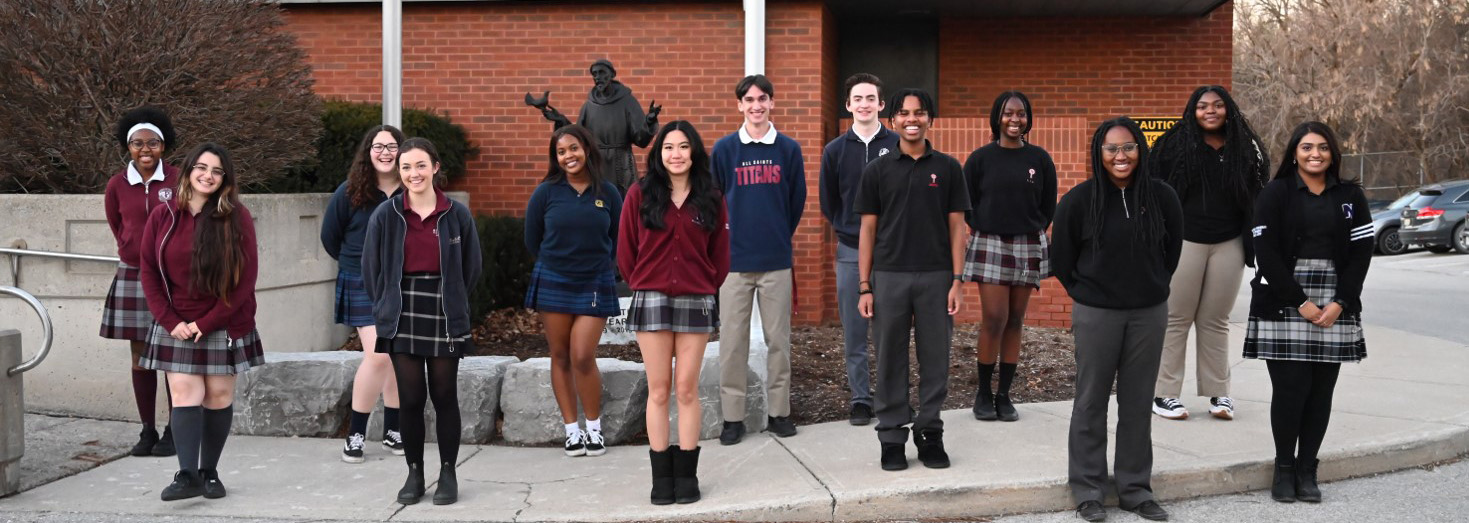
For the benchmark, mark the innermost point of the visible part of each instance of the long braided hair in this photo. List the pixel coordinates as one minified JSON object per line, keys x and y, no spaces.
{"x":1179,"y":155}
{"x":1152,"y":233}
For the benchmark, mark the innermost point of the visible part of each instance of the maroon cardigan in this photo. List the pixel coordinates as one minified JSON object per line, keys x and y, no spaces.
{"x":128,"y":206}
{"x":681,"y":259}
{"x":169,"y":241}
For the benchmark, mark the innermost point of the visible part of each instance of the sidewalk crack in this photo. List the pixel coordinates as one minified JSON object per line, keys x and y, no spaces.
{"x":832,"y":512}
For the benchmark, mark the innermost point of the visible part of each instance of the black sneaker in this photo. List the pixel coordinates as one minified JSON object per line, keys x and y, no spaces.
{"x":596,"y":446}
{"x":185,"y":485}
{"x":146,"y":440}
{"x":894,"y":456}
{"x":1150,"y":510}
{"x":393,"y":442}
{"x":930,"y":445}
{"x":733,"y":432}
{"x":352,"y":450}
{"x":213,"y":489}
{"x":576,"y":444}
{"x":1091,"y":511}
{"x":780,"y":426}
{"x":861,"y":414}
{"x":164,"y":447}
{"x":984,"y":406}
{"x":1005,"y":409}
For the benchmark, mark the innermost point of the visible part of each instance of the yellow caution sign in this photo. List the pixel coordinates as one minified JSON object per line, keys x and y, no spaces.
{"x":1154,"y":126}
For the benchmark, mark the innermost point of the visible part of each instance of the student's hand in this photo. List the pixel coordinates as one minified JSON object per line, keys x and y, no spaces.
{"x":180,"y":332}
{"x":864,"y":305}
{"x":1310,"y":312}
{"x":194,"y":331}
{"x":956,"y":297}
{"x":1328,"y":315}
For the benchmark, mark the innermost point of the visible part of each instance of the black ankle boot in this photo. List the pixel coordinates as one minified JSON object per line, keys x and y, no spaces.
{"x":447,"y":492}
{"x":146,"y":440}
{"x":186,"y":484}
{"x":1306,"y":488}
{"x":686,"y":475}
{"x":1283,"y":484}
{"x":412,"y":489}
{"x":662,"y":463}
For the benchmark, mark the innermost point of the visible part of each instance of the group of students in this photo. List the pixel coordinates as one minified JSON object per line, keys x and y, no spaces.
{"x":1147,"y":247}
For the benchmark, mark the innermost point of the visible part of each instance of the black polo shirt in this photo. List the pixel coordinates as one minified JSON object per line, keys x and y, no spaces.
{"x":1318,"y":221}
{"x":912,"y":199}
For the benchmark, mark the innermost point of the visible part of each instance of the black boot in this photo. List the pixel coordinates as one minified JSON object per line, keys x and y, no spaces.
{"x":412,"y":489}
{"x":984,"y":406}
{"x":186,"y":484}
{"x":1283,"y":485}
{"x":930,"y":443}
{"x":146,"y":440}
{"x":662,"y":463}
{"x":1306,"y":488}
{"x":447,"y":492}
{"x":686,"y":475}
{"x":165,"y":447}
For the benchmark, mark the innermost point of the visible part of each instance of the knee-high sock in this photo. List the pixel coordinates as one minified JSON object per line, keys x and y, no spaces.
{"x":188,"y":435}
{"x":145,"y":394}
{"x":216,"y":431}
{"x":986,"y":374}
{"x":390,"y":419}
{"x":1007,"y":375}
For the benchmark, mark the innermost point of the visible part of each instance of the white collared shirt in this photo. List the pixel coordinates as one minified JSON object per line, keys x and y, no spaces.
{"x":768,"y":139}
{"x":136,"y":178}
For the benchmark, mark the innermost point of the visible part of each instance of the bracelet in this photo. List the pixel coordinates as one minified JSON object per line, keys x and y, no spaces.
{"x":864,"y":291}
{"x":958,"y":277}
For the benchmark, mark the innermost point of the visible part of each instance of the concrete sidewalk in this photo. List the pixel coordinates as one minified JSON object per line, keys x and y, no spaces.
{"x":1406,"y":405}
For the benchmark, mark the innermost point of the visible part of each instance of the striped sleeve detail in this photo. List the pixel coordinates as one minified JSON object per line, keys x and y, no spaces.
{"x":1361,"y":232}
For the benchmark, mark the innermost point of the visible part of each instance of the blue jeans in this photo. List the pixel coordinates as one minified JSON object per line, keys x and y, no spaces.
{"x":854,"y":326}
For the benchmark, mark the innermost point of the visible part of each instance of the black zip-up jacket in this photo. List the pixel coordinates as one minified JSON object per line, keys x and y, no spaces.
{"x":1278,"y":239}
{"x":382,"y":264}
{"x":842,"y":162}
{"x":1121,"y":274}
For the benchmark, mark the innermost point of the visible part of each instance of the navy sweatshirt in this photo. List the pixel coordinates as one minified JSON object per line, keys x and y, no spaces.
{"x":841,"y":173}
{"x":1013,"y":191}
{"x":764,"y":189}
{"x":343,"y":227}
{"x":1121,"y":273}
{"x":573,"y":234}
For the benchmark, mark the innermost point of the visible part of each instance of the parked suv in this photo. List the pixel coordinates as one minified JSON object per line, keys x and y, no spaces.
{"x":1436,"y":217}
{"x":1387,"y":220}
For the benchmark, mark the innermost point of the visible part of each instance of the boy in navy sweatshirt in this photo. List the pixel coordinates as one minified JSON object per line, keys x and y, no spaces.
{"x":841,"y":171}
{"x":763,"y":178}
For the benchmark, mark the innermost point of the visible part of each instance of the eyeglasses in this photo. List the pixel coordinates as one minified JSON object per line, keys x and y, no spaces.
{"x":378,"y":148}
{"x":1112,"y":149}
{"x":150,"y":144}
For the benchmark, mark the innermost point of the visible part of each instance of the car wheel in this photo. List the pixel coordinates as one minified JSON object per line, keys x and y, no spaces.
{"x":1439,"y":249}
{"x":1389,"y":243}
{"x":1461,"y":237}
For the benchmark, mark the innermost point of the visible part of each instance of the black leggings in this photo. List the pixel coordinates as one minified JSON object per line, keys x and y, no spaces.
{"x":443,"y":386}
{"x":1300,"y":407}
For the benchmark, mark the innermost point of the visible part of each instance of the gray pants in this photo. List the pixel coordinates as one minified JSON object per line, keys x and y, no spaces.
{"x":854,"y":326}
{"x":1121,"y":345}
{"x":918,"y":301}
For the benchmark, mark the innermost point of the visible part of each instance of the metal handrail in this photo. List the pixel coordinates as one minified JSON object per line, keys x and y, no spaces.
{"x":16,"y":254}
{"x":45,"y":329}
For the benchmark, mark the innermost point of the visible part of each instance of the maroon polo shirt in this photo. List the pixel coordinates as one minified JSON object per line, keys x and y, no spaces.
{"x":421,"y":242}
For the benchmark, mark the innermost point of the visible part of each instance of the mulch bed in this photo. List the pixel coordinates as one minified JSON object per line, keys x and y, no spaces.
{"x":819,"y":392}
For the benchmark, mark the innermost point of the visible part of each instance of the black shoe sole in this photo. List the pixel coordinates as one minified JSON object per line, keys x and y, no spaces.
{"x":409,"y":501}
{"x":936,"y":465}
{"x":183,"y":495}
{"x":735,"y":441}
{"x":213,"y":495}
{"x":450,"y":501}
{"x":1283,"y":499}
{"x":986,"y":417}
{"x":660,"y":502}
{"x":894,"y":466}
{"x":859,"y":421}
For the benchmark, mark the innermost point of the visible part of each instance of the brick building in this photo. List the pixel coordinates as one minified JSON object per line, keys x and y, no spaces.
{"x":1079,"y":61}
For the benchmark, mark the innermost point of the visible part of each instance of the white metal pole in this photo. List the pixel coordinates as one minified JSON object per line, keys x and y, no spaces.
{"x":754,"y":37}
{"x":393,"y":62}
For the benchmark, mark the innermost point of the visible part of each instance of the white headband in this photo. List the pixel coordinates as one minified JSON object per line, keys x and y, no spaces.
{"x":147,"y":126}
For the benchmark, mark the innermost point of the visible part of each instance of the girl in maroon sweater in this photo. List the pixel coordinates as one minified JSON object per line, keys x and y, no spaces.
{"x":145,"y":133}
{"x":673,"y":248}
{"x":199,"y":268}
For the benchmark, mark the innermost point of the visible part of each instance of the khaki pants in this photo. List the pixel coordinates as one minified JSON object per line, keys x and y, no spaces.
{"x":1201,"y":294}
{"x":739,"y":291}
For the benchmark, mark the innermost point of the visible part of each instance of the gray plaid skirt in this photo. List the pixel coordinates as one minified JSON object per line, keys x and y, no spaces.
{"x":423,"y":330}
{"x":1296,"y":339}
{"x":655,"y":311}
{"x":125,"y":314}
{"x":216,"y":354}
{"x":1007,"y":259}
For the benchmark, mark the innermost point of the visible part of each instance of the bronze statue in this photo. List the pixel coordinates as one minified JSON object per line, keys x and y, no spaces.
{"x":614,"y":117}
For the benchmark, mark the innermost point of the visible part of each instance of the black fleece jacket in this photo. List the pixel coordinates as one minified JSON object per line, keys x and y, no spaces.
{"x":1119,"y":272}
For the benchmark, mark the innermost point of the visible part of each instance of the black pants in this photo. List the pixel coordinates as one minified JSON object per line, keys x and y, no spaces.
{"x":1300,"y":406}
{"x":442,"y":385}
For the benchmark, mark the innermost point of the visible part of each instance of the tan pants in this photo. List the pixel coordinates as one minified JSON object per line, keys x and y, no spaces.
{"x":1202,"y":293}
{"x":739,"y":291}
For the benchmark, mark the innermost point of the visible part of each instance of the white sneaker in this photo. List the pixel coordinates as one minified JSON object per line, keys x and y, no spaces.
{"x":1222,"y":407}
{"x":576,"y":444}
{"x":1169,"y":408}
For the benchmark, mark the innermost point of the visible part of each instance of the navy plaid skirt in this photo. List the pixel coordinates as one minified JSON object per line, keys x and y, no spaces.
{"x":215,"y":354}
{"x":550,"y":291}
{"x":655,"y":311}
{"x":423,"y":330}
{"x":125,"y":315}
{"x":1007,"y":259}
{"x":353,"y":306}
{"x":1296,"y":339}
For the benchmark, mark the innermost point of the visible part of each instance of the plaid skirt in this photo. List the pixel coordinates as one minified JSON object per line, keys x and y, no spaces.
{"x":423,"y":330}
{"x":1007,"y":259}
{"x":655,"y":311}
{"x":550,"y":291}
{"x":125,"y":315}
{"x":353,"y":306}
{"x":216,"y":354}
{"x":1296,"y":339}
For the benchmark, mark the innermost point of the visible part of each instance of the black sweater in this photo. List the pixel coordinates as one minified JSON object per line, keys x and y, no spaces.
{"x":1013,"y":191}
{"x":1277,"y":235}
{"x":1118,"y":273}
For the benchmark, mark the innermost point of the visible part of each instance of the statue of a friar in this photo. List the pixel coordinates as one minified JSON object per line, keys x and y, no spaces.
{"x":615,"y":118}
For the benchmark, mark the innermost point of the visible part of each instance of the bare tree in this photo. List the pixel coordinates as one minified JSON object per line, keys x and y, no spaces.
{"x":225,"y":70}
{"x":1387,"y":75}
